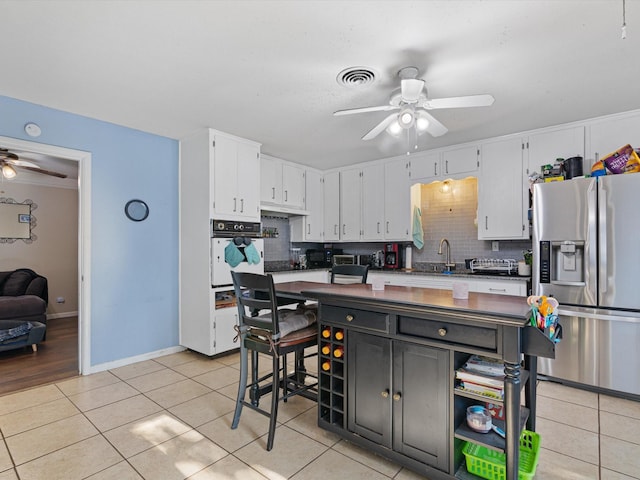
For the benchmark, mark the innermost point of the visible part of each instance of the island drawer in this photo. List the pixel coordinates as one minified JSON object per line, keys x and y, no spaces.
{"x":355,"y":318}
{"x":482,"y":337}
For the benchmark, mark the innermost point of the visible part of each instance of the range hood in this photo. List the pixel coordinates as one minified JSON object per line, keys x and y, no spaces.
{"x":282,"y":211}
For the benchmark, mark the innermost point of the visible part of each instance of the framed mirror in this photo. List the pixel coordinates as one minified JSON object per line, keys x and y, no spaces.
{"x":17,"y":220}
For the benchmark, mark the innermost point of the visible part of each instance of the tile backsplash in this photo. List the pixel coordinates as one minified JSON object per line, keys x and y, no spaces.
{"x":449,"y":214}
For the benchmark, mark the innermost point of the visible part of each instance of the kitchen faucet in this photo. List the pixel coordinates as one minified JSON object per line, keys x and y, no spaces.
{"x":448,"y":264}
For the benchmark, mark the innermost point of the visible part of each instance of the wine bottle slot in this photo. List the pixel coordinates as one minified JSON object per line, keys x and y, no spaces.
{"x":339,"y":334}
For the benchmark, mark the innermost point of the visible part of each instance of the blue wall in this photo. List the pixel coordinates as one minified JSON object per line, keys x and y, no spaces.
{"x":134,"y":265}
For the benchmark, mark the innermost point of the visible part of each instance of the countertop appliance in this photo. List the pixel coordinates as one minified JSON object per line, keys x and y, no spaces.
{"x":344,"y":259}
{"x":586,"y":255}
{"x":392,"y":256}
{"x":321,"y":258}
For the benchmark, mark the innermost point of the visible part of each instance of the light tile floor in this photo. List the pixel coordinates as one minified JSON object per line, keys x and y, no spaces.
{"x":169,"y":418}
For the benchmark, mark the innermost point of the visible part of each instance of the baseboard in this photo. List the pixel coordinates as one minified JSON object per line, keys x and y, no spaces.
{"x":127,"y":361}
{"x":52,"y":316}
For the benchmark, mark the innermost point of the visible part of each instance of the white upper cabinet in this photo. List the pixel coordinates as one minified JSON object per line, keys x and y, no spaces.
{"x":350,"y":204}
{"x":271,"y":180}
{"x":310,"y":228}
{"x":425,"y":167}
{"x":373,"y":204}
{"x":331,"y":206}
{"x":460,"y":162}
{"x":500,"y":193}
{"x":544,"y":147}
{"x":282,"y":183}
{"x":608,"y":134}
{"x":236,"y":178}
{"x":397,"y":201}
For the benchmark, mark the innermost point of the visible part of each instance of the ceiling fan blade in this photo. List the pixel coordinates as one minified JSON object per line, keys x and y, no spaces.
{"x":22,"y":163}
{"x":459,"y":102}
{"x":375,"y":131}
{"x":43,"y":171}
{"x":435,"y":128}
{"x":411,"y":88}
{"x":7,"y":155}
{"x":381,"y":108}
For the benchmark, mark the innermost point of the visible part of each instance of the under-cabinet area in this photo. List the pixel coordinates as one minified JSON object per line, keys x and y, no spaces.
{"x":388,"y":381}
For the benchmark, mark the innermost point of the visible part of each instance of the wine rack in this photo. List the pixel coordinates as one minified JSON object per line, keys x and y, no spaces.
{"x":332,"y":375}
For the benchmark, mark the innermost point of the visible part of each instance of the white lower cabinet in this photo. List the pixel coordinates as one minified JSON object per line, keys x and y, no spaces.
{"x":445,"y":282}
{"x":224,"y":332}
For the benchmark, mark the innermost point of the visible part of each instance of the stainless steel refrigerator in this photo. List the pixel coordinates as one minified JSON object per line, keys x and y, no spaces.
{"x":586,"y":251}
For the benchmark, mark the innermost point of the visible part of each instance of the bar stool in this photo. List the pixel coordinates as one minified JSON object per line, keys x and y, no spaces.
{"x":345,"y":274}
{"x":262,"y":328}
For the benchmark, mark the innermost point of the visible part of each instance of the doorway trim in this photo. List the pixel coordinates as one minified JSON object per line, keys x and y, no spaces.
{"x":84,"y":236}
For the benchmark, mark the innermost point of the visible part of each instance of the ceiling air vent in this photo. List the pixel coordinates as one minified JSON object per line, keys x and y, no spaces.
{"x":356,"y":77}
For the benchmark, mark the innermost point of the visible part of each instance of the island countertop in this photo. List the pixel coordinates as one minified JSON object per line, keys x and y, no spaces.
{"x":501,"y":309}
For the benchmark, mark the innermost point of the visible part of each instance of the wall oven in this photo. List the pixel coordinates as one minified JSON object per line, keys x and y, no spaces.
{"x":235,"y":246}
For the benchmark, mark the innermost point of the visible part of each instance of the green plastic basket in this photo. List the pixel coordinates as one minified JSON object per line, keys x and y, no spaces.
{"x":491,"y":464}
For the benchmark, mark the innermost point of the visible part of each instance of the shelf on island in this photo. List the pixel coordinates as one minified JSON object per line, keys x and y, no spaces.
{"x":491,"y":439}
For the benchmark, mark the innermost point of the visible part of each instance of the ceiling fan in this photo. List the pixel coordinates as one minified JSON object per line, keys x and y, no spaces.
{"x":9,"y":160}
{"x":412,"y":102}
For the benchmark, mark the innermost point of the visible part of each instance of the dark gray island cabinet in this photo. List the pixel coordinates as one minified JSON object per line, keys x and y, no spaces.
{"x":387,"y":367}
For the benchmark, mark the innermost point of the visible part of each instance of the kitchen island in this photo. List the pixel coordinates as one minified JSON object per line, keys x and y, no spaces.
{"x":388,"y":383}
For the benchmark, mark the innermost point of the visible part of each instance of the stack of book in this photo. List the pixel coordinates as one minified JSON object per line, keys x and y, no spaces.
{"x":483,"y":376}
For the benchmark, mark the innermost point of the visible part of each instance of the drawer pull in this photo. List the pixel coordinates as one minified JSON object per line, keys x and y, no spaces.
{"x":498,"y":290}
{"x":385,"y":394}
{"x":349,"y":318}
{"x":396,"y":397}
{"x":442,"y":332}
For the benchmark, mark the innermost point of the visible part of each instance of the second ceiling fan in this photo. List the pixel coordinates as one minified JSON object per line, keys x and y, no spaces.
{"x":412,"y":102}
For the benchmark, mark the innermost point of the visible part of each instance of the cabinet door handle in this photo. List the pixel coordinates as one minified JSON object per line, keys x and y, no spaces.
{"x":435,"y":168}
{"x":486,"y":223}
{"x":273,"y":193}
{"x":286,"y":196}
{"x":498,"y":290}
{"x":397,"y":397}
{"x":385,"y":394}
{"x":442,"y":332}
{"x":308,"y":229}
{"x":349,"y":318}
{"x":378,"y":227}
{"x":446,"y":166}
{"x":335,"y":229}
{"x":235,"y":203}
{"x":242,"y":205}
{"x":344,"y":226}
{"x":387,"y":227}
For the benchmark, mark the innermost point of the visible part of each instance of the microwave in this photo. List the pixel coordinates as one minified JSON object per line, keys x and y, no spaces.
{"x":322,"y":258}
{"x":344,"y":259}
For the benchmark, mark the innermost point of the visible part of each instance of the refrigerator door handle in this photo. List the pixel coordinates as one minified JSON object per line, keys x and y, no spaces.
{"x":602,"y":241}
{"x":592,"y":241}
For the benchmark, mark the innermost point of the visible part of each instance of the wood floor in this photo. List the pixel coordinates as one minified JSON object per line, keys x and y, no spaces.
{"x":56,"y":358}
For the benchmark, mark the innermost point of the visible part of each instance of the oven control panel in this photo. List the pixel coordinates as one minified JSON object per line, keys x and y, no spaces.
{"x":230,"y":228}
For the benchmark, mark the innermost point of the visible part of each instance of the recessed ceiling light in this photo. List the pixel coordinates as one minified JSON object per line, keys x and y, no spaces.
{"x":32,"y":130}
{"x":356,"y":77}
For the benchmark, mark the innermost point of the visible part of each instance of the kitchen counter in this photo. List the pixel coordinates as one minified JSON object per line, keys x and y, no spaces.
{"x":278,"y":267}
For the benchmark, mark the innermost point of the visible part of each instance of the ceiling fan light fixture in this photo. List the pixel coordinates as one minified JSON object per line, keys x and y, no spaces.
{"x":422,"y":124}
{"x":406,"y":118}
{"x":394,"y":128}
{"x":8,"y":171}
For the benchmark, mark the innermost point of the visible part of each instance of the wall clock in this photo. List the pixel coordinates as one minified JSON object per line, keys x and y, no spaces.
{"x":136,"y":210}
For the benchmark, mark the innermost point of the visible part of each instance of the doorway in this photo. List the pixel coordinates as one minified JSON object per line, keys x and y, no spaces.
{"x":83,"y":160}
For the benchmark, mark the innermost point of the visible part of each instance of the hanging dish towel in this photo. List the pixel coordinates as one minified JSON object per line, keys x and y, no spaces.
{"x":252,"y":254}
{"x":418,"y":234}
{"x":232,"y":255}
